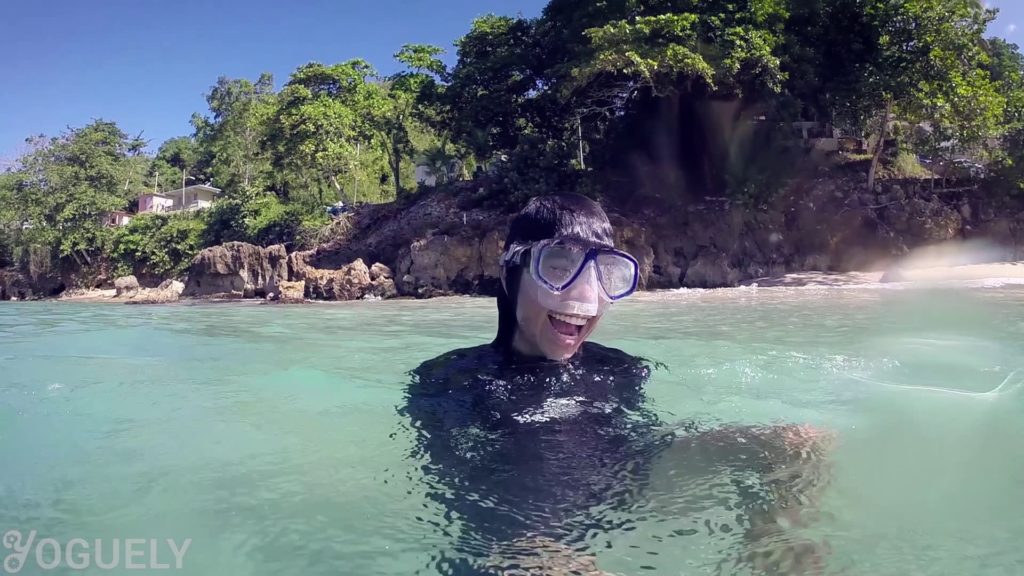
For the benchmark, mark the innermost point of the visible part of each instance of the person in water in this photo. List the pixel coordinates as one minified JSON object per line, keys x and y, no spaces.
{"x":536,"y":439}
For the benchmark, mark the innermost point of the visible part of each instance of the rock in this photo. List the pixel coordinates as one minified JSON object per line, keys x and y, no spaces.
{"x":665,"y":272}
{"x":237,"y":267}
{"x":383,"y":288}
{"x":292,"y":292}
{"x":156,"y":295}
{"x":633,"y":239}
{"x":378,"y":271}
{"x":664,"y":278}
{"x":351,"y":282}
{"x":299,"y":261}
{"x":125,"y":286}
{"x":173,"y":285}
{"x":965,"y":210}
{"x":492,"y":247}
{"x":711,"y":270}
{"x":816,"y":263}
{"x":443,"y":264}
{"x":168,"y":291}
{"x":13,"y":286}
{"x":896,"y":193}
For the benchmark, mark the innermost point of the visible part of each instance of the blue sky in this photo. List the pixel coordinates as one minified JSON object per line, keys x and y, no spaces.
{"x":1010,"y":23}
{"x":146,"y":64}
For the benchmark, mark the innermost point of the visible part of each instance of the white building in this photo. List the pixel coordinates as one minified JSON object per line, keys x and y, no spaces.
{"x":195,"y":197}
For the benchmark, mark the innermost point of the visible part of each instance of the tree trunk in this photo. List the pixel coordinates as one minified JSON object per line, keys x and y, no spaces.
{"x":396,"y":165}
{"x":883,"y":133}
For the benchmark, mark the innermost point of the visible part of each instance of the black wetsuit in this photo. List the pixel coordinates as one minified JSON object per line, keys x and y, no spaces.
{"x":522,"y":448}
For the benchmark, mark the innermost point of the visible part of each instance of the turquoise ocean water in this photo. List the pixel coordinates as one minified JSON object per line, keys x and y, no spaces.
{"x":271,"y":435}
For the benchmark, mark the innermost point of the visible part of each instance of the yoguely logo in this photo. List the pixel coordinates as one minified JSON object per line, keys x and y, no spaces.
{"x":82,"y":554}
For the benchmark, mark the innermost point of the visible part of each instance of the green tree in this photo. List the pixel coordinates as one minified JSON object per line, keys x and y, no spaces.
{"x":157,"y":245}
{"x":64,"y":188}
{"x":177,"y":163}
{"x":233,"y":138}
{"x":395,"y":104}
{"x":930,"y":67}
{"x":492,"y":85}
{"x":322,"y":130}
{"x":1006,"y":67}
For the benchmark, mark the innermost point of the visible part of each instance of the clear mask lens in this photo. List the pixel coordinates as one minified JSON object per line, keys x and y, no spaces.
{"x":584,"y":298}
{"x":616,"y":274}
{"x":558,"y":264}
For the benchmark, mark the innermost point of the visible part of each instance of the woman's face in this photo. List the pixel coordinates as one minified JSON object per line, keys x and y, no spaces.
{"x":544,"y":332}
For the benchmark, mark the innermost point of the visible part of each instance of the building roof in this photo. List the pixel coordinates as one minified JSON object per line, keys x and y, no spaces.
{"x":193,"y":188}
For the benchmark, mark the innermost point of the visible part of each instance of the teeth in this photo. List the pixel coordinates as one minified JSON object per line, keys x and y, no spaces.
{"x":574,"y":320}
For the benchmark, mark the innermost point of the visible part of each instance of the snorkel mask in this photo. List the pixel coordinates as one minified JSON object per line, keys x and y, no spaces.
{"x":558,"y":267}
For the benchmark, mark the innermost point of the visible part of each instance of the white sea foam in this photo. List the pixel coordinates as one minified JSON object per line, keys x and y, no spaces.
{"x":1008,"y":385}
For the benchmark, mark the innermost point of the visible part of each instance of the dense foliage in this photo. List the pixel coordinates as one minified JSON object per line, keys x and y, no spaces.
{"x":630,"y":99}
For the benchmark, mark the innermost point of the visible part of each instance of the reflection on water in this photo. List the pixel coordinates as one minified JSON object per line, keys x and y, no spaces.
{"x":840,"y":431}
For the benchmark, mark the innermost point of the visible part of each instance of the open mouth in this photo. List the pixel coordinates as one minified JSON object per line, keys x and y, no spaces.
{"x":567,"y":324}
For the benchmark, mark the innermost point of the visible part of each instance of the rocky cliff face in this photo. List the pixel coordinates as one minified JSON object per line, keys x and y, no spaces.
{"x":443,"y":242}
{"x":236,"y":270}
{"x":436,"y":246}
{"x":14,"y":286}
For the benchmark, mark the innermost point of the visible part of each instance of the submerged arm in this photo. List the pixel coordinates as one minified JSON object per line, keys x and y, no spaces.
{"x":779,"y":472}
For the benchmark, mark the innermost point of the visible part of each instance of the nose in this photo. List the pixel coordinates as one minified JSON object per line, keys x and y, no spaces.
{"x":586,"y":287}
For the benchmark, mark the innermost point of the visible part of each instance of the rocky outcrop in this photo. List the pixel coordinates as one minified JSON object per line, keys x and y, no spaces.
{"x":13,"y":285}
{"x":441,"y":244}
{"x":125,"y":286}
{"x":710,"y":270}
{"x":172,"y":285}
{"x":168,"y":291}
{"x":291,"y":292}
{"x":445,"y":264}
{"x":347,"y":283}
{"x":352,"y":281}
{"x":237,"y":269}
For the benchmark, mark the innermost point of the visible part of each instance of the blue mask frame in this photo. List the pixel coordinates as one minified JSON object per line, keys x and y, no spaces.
{"x":516,"y":252}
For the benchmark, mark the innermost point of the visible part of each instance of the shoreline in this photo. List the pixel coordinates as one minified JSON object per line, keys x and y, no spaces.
{"x":918,"y":276}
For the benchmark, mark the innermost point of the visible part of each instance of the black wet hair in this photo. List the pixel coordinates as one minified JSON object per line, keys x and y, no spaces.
{"x":544,"y":217}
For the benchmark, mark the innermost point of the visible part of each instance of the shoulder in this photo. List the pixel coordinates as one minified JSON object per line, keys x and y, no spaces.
{"x":453,"y":366}
{"x":594,"y":356}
